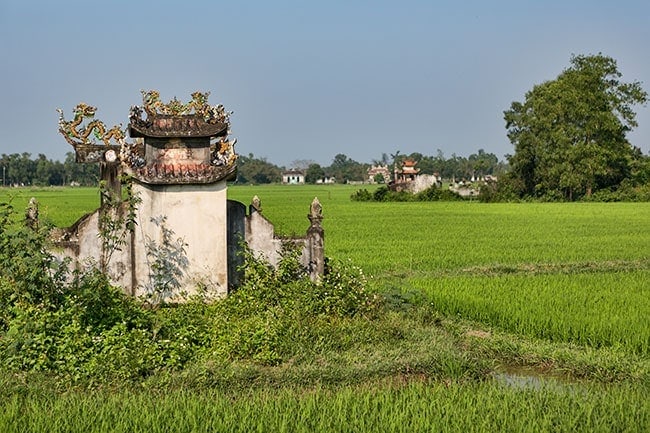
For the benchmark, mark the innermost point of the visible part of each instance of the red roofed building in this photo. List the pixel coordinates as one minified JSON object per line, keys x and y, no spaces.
{"x":408,"y":172}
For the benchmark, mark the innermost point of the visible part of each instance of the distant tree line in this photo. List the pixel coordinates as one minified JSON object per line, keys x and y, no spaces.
{"x":345,"y":169}
{"x":23,"y":170}
{"x":569,"y":137}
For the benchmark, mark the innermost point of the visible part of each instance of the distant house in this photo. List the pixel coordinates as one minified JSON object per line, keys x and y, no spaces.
{"x":293,"y":177}
{"x":378,"y":169}
{"x":326,"y":179}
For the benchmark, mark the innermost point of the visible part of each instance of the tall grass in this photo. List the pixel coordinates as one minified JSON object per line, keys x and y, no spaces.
{"x":417,"y":407}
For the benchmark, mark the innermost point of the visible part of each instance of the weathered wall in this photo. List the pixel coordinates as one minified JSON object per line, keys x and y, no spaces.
{"x":82,"y":244}
{"x":261,"y":239}
{"x":421,"y":182}
{"x":199,"y":218}
{"x":197,"y":215}
{"x":263,"y":242}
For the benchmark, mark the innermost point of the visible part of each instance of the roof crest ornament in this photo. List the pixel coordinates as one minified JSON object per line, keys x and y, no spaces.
{"x":172,"y":143}
{"x":153,"y":106}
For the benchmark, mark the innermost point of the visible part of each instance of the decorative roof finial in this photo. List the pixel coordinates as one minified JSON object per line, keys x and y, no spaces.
{"x":256,"y":204}
{"x":315,"y":212}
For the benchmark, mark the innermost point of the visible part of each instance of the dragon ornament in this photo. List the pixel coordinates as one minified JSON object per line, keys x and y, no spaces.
{"x":77,"y":133}
{"x":154,"y":106}
{"x":223,"y":153}
{"x":167,"y":125}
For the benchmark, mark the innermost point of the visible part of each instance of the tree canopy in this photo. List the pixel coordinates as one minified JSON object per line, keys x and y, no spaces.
{"x":570,"y":133}
{"x":22,"y":169}
{"x":257,"y":170}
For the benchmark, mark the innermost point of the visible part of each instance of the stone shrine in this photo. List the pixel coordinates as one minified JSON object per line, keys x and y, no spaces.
{"x":177,"y":226}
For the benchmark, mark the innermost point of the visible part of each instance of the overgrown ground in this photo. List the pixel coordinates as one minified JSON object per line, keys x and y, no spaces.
{"x":481,"y":317}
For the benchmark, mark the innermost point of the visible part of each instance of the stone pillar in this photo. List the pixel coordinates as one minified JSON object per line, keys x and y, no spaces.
{"x":31,"y":214}
{"x":315,"y":242}
{"x":109,"y":174}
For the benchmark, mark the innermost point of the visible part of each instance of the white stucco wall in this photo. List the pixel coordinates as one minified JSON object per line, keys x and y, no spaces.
{"x":195,"y":213}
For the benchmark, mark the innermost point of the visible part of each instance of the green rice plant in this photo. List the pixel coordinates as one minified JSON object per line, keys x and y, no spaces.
{"x":414,"y":407}
{"x":594,"y":309}
{"x":397,"y":239}
{"x":59,"y":206}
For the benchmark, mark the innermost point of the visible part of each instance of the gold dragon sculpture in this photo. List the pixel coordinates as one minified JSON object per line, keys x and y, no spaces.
{"x":76,"y":133}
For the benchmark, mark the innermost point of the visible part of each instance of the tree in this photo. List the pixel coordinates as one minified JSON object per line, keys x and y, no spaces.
{"x":314,"y":173}
{"x":83,"y":174}
{"x":570,"y":133}
{"x":301,"y":164}
{"x":256,"y":170}
{"x":345,"y":169}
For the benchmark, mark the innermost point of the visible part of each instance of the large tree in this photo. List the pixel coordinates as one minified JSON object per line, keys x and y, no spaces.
{"x":346,"y":169}
{"x":570,"y":133}
{"x":256,"y":170}
{"x":314,"y":172}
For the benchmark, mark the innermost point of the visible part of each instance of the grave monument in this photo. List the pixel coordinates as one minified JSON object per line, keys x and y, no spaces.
{"x":176,"y":226}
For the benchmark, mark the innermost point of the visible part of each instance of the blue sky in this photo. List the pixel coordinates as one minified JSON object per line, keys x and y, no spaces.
{"x":309,"y":80}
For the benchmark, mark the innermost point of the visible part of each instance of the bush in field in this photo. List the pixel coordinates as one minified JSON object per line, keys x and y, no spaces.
{"x":280,"y":313}
{"x":433,"y":193}
{"x":383,"y":194}
{"x":361,"y":195}
{"x":626,"y":192}
{"x":57,"y":321}
{"x":29,"y":273}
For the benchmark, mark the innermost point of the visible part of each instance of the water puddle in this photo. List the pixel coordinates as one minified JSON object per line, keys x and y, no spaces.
{"x":529,"y":378}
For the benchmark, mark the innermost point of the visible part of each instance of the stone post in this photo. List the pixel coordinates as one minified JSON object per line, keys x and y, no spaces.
{"x":31,"y":214}
{"x":315,"y":242}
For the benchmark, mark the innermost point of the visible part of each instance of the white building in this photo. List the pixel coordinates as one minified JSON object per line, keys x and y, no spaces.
{"x":293,"y":177}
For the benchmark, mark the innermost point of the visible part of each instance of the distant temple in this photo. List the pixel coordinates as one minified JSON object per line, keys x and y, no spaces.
{"x":407,"y":172}
{"x":376,"y":170}
{"x":408,"y":178}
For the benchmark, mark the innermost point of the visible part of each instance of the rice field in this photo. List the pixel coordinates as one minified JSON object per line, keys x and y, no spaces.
{"x":572,"y":274}
{"x":575,"y":272}
{"x":418,"y":407}
{"x":594,"y":309}
{"x":57,"y":205}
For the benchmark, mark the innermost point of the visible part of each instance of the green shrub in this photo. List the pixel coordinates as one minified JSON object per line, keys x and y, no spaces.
{"x":361,"y":195}
{"x":28,"y":271}
{"x":383,"y":194}
{"x":78,"y":326}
